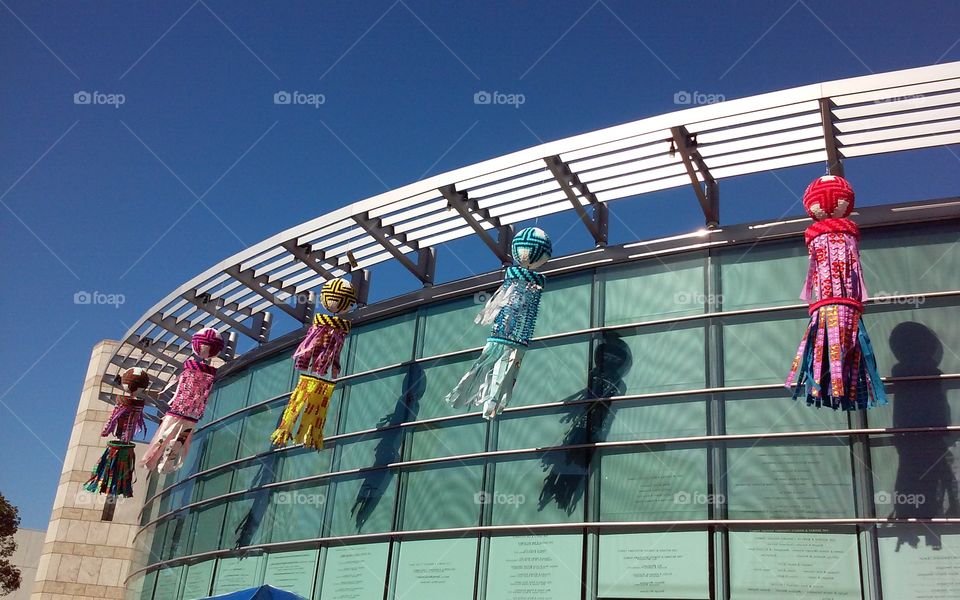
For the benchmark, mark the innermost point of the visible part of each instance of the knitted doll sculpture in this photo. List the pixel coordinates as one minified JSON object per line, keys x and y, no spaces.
{"x":317,"y":354}
{"x":113,"y":474}
{"x":513,"y":313}
{"x":172,"y":440}
{"x":835,"y":365}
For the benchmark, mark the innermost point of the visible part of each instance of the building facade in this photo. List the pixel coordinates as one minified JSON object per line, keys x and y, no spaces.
{"x":650,"y":450}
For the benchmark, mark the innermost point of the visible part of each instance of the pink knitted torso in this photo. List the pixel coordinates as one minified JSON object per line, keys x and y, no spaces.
{"x":193,"y":390}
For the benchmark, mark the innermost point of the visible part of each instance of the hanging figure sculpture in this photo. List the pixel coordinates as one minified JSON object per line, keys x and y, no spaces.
{"x":835,"y":365}
{"x":513,"y":313}
{"x":172,"y":440}
{"x":317,"y":354}
{"x":113,"y":474}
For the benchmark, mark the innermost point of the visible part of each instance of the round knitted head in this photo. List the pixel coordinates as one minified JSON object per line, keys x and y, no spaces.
{"x":133,"y":379}
{"x":532,"y":247}
{"x":207,"y":343}
{"x":338,"y":295}
{"x":828,"y":197}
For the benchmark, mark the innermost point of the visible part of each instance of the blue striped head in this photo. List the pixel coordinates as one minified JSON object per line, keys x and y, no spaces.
{"x":532,"y":247}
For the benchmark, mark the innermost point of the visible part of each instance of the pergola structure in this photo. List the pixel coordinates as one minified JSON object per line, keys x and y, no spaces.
{"x":826,"y":122}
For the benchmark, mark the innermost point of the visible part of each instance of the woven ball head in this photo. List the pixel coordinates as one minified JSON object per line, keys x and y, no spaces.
{"x":338,"y":295}
{"x":134,"y":378}
{"x":828,"y":197}
{"x":206,"y":343}
{"x":531,"y":247}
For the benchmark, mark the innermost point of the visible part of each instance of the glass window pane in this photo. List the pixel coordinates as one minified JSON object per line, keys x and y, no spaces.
{"x":176,"y":541}
{"x":450,"y":326}
{"x":383,"y":343}
{"x":543,"y":567}
{"x":232,"y":396}
{"x":651,"y":290}
{"x":292,"y":571}
{"x":224,"y":442}
{"x":296,"y":512}
{"x":802,"y":479}
{"x":258,"y":426}
{"x":654,"y":565}
{"x":769,"y":411}
{"x":375,"y":401}
{"x":760,"y":352}
{"x":916,"y":475}
{"x":168,"y":583}
{"x":548,"y":489}
{"x":762,"y":275}
{"x":918,"y":259}
{"x":653,"y":484}
{"x":236,"y":573}
{"x":929,"y":403}
{"x":206,"y":526}
{"x":655,"y":418}
{"x":923,"y":337}
{"x":564,"y":360}
{"x":542,"y":428}
{"x":818,"y":565}
{"x":356,"y":572}
{"x":565,"y":305}
{"x":305,"y":462}
{"x":919,"y":560}
{"x":436,"y":569}
{"x":270,"y":378}
{"x":440,"y":377}
{"x":665,"y":359}
{"x":452,"y":493}
{"x":363,"y":504}
{"x":434,"y":440}
{"x":196,"y":582}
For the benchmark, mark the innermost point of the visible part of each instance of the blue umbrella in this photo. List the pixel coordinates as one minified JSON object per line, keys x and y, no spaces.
{"x":264,"y":592}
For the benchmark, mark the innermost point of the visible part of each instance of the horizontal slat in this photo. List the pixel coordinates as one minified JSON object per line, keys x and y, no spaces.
{"x":887,"y":94}
{"x":907,"y":104}
{"x":920,"y":116}
{"x":896,"y":146}
{"x":758,"y":129}
{"x":893,"y":133}
{"x":768,"y":165}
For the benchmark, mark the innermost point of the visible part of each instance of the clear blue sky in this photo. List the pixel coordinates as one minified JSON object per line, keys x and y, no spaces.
{"x":201,"y":159}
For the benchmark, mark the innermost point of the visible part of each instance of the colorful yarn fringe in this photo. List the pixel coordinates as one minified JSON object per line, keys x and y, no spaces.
{"x":309,"y":401}
{"x":113,"y":475}
{"x":126,"y":420}
{"x":319,"y":352}
{"x":170,"y":444}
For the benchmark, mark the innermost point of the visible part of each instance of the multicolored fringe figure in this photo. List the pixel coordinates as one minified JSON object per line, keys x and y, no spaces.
{"x":113,"y":474}
{"x":835,"y":365}
{"x":513,"y":313}
{"x":317,"y":354}
{"x":172,"y":440}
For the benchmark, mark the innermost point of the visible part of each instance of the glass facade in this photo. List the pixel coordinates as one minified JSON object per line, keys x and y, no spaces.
{"x":649,"y":450}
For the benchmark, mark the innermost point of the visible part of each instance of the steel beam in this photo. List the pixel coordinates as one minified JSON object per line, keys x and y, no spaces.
{"x":257,"y":329}
{"x":301,"y":311}
{"x":311,"y":258}
{"x":834,"y":163}
{"x":467,"y":209}
{"x":425,"y":266}
{"x":708,"y":193}
{"x":598,"y":224}
{"x":360,"y":278}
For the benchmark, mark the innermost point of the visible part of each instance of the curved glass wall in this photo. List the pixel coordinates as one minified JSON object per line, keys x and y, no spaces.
{"x":649,"y":450}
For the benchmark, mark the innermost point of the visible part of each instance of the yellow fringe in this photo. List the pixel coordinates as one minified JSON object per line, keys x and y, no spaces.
{"x":312,"y":398}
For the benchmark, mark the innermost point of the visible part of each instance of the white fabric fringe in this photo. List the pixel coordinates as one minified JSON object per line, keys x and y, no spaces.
{"x":169,"y":446}
{"x":489,"y":382}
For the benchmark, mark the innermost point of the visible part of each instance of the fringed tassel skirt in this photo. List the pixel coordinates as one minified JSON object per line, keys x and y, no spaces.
{"x":308,"y":402}
{"x":835,"y":365}
{"x":113,"y":474}
{"x":170,"y":444}
{"x":489,"y":382}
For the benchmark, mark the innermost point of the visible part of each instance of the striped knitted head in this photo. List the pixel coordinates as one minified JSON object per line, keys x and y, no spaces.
{"x":532,"y":247}
{"x":828,"y":197}
{"x":133,"y":379}
{"x":207,"y":343}
{"x":338,"y":295}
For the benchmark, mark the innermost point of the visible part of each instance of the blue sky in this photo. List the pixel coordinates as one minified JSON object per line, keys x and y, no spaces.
{"x":198,"y":162}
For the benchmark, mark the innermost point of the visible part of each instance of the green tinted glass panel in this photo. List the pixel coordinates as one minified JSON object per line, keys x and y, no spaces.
{"x":566,"y":363}
{"x":292,"y":571}
{"x":296,"y":512}
{"x":210,"y":486}
{"x":196,"y":583}
{"x":770,"y":411}
{"x":664,"y":359}
{"x":654,"y":289}
{"x":450,"y":326}
{"x":211,"y":409}
{"x":223,"y":442}
{"x":269,"y":379}
{"x":370,"y":450}
{"x":919,"y":561}
{"x":206,"y":526}
{"x":305,"y":462}
{"x":915,"y":475}
{"x":818,"y":565}
{"x":375,"y":401}
{"x":436,"y":569}
{"x":924,"y":403}
{"x":806,"y":479}
{"x":535,"y":567}
{"x":653,"y":485}
{"x":920,"y":259}
{"x":445,"y":496}
{"x":439,"y":378}
{"x":553,"y":427}
{"x":176,"y":539}
{"x":761,"y":275}
{"x":354,"y":572}
{"x":232,"y":396}
{"x":168,"y":583}
{"x":141,"y":587}
{"x":247,"y":520}
{"x":760,"y":352}
{"x":548,"y":489}
{"x":924,"y":337}
{"x":656,"y":418}
{"x":564,"y":305}
{"x":258,"y":426}
{"x":654,"y":565}
{"x":258,"y":471}
{"x":382,"y":343}
{"x":237,"y":574}
{"x":434,"y":440}
{"x":363,"y":504}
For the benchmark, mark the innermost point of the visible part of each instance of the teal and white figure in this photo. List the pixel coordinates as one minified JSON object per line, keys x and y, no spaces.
{"x":513,"y":313}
